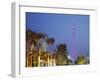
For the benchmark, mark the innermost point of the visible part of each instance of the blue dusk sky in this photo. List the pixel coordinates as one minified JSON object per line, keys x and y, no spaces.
{"x":60,"y":27}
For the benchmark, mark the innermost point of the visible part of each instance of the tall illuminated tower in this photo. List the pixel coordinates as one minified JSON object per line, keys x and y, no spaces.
{"x":74,"y":42}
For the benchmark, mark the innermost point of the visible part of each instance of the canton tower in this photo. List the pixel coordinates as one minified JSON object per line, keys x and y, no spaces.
{"x":74,"y":42}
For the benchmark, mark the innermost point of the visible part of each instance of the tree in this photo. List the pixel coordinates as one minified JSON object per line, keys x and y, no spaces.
{"x":62,"y":48}
{"x":81,"y":60}
{"x":30,"y":34}
{"x":50,"y":40}
{"x":30,"y":44}
{"x":62,"y":55}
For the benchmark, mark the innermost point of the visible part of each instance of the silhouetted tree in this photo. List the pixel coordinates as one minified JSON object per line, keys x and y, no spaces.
{"x":30,"y":34}
{"x":62,"y":48}
{"x":50,"y":40}
{"x":62,"y":54}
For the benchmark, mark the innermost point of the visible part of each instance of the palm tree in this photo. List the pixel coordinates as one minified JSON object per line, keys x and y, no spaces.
{"x":50,"y":40}
{"x":30,"y":34}
{"x":29,"y":42}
